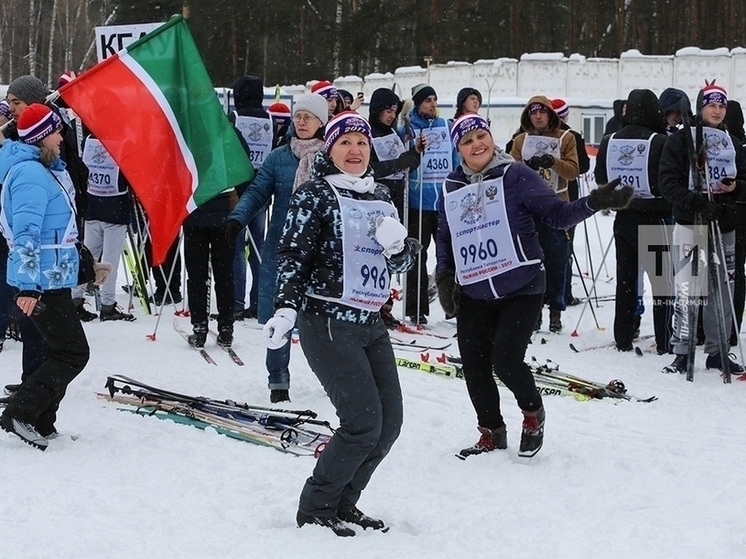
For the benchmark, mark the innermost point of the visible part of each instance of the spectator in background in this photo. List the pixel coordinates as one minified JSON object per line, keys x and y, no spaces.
{"x":641,"y":139}
{"x":552,"y":152}
{"x":281,"y":119}
{"x":333,"y":100}
{"x":468,"y":101}
{"x":562,"y":109}
{"x":254,"y":126}
{"x":286,"y":168}
{"x":425,"y":183}
{"x":670,"y":101}
{"x":617,"y":121}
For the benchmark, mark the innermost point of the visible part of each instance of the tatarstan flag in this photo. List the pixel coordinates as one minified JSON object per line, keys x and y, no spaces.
{"x":154,"y":108}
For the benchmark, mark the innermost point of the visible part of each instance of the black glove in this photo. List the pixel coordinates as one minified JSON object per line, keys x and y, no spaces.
{"x":231,"y":230}
{"x":533,"y":162}
{"x":606,"y":197}
{"x":449,"y":293}
{"x":546,"y":161}
{"x":714,"y":212}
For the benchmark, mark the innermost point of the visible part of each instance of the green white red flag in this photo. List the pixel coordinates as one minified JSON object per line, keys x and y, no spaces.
{"x":153,"y":106}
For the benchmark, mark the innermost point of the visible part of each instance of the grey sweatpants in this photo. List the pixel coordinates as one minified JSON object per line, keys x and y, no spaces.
{"x":356,"y":366}
{"x":683,"y":236}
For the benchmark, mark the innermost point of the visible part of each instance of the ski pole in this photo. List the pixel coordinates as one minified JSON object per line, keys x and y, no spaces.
{"x":585,"y":289}
{"x":574,"y":333}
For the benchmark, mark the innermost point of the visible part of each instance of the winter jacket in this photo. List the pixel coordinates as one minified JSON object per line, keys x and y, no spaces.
{"x":417,"y":125}
{"x":310,"y":258}
{"x":526,"y":196}
{"x":644,"y":118}
{"x":36,"y":214}
{"x":584,"y":162}
{"x":673,"y":182}
{"x":566,"y":165}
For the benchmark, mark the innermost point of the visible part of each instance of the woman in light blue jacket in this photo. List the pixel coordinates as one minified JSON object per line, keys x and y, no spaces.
{"x":37,"y":218}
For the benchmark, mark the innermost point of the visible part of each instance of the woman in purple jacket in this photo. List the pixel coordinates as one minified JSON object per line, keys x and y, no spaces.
{"x":490,"y":273}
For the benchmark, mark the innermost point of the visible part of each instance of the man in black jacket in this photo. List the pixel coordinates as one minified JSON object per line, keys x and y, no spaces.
{"x":633,"y":154}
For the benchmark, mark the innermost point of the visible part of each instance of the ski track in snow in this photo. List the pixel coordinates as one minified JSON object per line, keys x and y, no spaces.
{"x":613,"y":480}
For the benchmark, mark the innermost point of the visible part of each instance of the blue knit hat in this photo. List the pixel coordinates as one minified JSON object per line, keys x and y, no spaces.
{"x":465,"y":124}
{"x":343,"y":123}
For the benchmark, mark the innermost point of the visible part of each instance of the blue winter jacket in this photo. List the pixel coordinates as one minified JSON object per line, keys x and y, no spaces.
{"x":431,"y":191}
{"x":273,"y":183}
{"x":38,"y":213}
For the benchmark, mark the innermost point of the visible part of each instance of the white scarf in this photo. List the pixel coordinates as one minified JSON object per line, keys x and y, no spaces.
{"x":351,"y":182}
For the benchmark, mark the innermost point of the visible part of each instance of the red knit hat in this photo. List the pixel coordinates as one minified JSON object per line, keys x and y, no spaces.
{"x":36,"y":122}
{"x":280,"y":112}
{"x":561,"y":107}
{"x":325,"y":89}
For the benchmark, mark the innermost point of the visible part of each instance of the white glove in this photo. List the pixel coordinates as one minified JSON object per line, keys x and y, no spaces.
{"x":275,"y":332}
{"x":390,"y":234}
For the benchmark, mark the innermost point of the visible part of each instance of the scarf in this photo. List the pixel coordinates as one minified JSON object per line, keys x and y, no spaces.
{"x":305,"y":151}
{"x":343,"y":180}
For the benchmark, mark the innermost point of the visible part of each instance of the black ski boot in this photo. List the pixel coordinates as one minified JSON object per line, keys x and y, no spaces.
{"x":333,"y":523}
{"x":24,"y":431}
{"x":354,"y":515}
{"x":555,"y":324}
{"x":679,"y":365}
{"x":714,"y":362}
{"x":111,"y":312}
{"x":277,"y":395}
{"x":532,"y":435}
{"x":83,"y":314}
{"x":225,"y":336}
{"x":199,"y":336}
{"x":491,"y":439}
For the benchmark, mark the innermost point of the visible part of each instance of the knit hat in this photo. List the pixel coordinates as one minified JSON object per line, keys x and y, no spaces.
{"x":314,"y":104}
{"x":5,"y":109}
{"x":66,"y":77}
{"x":28,"y":89}
{"x":325,"y":89}
{"x":561,"y":107}
{"x":420,"y":92}
{"x":712,"y":93}
{"x":36,"y":122}
{"x":344,"y":122}
{"x":465,"y":124}
{"x":536,"y":107}
{"x":280,"y":112}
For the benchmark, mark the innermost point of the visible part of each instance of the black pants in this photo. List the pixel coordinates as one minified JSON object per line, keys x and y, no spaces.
{"x":494,"y":335}
{"x":39,"y":397}
{"x":417,"y":291}
{"x":203,"y":244}
{"x":627,"y":267}
{"x":355,"y":364}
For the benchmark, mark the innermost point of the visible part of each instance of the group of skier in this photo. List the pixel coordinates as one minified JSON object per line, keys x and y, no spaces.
{"x":355,"y":201}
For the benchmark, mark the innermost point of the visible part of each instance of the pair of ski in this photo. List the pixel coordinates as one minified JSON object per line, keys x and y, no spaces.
{"x":285,"y":430}
{"x":548,"y":378}
{"x":639,"y":351}
{"x":202,"y":351}
{"x":699,"y":173}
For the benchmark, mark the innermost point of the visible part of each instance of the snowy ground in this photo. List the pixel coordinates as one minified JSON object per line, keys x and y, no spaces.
{"x":613,"y":480}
